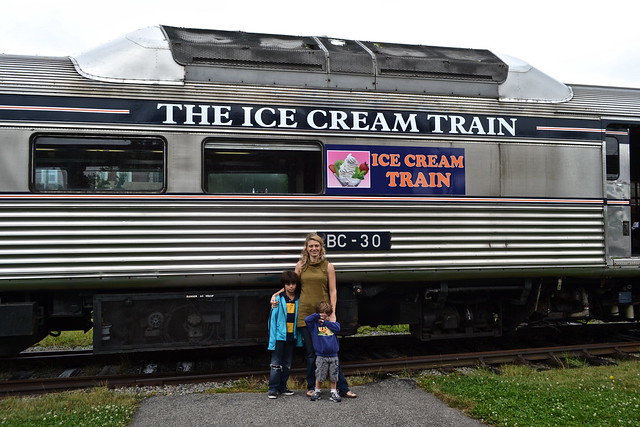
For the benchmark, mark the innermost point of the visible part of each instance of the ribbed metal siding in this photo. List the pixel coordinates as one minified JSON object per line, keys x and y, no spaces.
{"x":49,"y":76}
{"x":231,"y":238}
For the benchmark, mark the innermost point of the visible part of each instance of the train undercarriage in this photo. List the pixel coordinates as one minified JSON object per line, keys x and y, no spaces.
{"x":453,"y":310}
{"x":124,"y":322}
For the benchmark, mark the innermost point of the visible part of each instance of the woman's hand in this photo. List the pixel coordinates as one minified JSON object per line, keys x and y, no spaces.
{"x":274,"y":299}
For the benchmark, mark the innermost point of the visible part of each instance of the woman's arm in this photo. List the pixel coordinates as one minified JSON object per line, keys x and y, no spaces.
{"x":333,"y":290}
{"x":274,"y":298}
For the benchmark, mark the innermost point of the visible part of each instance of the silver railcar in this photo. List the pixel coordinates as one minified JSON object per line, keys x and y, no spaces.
{"x":155,"y":188}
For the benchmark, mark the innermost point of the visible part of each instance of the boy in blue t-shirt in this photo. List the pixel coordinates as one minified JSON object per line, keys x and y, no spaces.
{"x":283,"y":334}
{"x":325,"y":343}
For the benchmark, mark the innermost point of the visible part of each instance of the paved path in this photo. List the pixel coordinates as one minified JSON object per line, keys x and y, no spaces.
{"x":392,"y":402}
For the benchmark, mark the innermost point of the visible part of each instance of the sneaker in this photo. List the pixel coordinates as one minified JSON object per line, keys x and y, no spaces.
{"x":335,"y":397}
{"x":272,"y":394}
{"x":287,"y":392}
{"x":310,"y":392}
{"x":315,"y":396}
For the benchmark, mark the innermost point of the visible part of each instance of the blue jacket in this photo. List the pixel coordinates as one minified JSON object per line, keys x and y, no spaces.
{"x":325,"y":342}
{"x":278,"y":324}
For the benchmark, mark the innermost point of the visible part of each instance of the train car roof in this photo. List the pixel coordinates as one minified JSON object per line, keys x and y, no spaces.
{"x":173,"y":56}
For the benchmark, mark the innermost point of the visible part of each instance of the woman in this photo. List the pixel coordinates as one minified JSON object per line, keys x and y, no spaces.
{"x":318,"y":284}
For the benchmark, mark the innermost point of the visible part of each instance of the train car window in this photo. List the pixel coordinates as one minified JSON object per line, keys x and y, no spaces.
{"x":613,"y":158}
{"x":243,"y":167}
{"x":63,"y":163}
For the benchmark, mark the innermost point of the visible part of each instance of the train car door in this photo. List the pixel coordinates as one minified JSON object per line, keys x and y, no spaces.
{"x":619,"y":224}
{"x":634,"y":201}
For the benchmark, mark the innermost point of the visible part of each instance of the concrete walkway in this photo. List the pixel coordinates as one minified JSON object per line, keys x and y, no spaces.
{"x":392,"y":402}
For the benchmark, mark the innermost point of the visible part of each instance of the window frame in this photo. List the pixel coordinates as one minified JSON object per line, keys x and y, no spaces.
{"x":614,"y":158}
{"x":33,"y":166}
{"x":257,"y":144}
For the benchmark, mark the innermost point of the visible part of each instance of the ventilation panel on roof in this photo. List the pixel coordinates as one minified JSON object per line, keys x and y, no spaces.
{"x":171,"y":55}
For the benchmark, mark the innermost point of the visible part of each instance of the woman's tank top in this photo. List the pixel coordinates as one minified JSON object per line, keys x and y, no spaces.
{"x":315,"y":288}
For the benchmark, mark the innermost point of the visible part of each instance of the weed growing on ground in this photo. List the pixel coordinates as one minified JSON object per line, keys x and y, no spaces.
{"x":259,"y":385}
{"x":250,"y":384}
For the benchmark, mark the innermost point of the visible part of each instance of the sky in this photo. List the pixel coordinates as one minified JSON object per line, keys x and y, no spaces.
{"x":574,"y":41}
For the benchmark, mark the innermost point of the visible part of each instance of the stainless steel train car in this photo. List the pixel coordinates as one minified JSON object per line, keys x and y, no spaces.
{"x":154,"y":188}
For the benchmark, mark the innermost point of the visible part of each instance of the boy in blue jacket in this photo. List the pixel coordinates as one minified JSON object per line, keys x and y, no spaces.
{"x":283,"y":334}
{"x":325,"y":342}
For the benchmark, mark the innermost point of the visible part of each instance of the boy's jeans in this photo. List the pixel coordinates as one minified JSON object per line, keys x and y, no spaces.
{"x":281,"y":359}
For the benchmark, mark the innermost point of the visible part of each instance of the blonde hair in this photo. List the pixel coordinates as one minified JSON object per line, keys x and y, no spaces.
{"x":304,"y":255}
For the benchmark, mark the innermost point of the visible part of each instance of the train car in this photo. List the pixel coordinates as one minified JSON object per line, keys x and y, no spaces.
{"x":154,"y":188}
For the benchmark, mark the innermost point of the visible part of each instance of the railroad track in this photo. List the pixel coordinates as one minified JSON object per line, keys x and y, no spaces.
{"x":593,"y":353}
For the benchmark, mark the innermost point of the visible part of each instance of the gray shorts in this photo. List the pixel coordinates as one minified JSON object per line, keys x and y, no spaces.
{"x":326,"y":367}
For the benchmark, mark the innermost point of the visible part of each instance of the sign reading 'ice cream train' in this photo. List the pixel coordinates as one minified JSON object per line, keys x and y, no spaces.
{"x":207,"y":115}
{"x":395,"y":170}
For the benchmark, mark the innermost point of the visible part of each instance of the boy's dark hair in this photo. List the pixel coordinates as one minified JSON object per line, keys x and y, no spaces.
{"x":290,"y":276}
{"x":324,"y":307}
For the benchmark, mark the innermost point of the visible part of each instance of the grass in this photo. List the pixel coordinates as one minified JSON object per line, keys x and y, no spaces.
{"x":96,"y":407}
{"x":68,"y":339}
{"x":394,"y":329}
{"x":521,"y":396}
